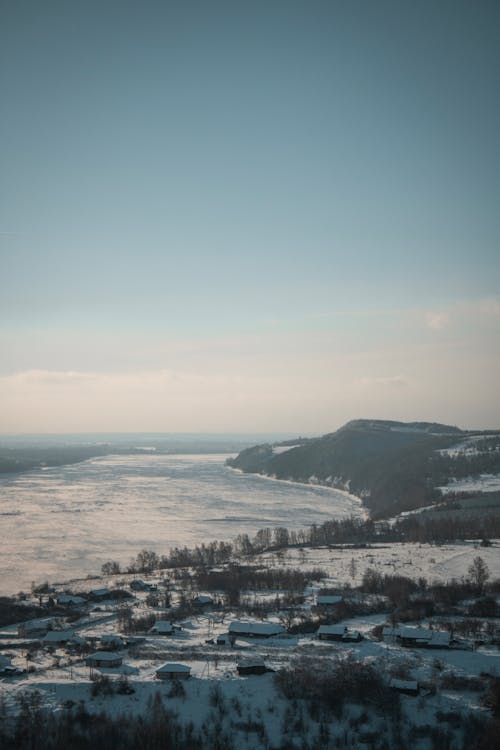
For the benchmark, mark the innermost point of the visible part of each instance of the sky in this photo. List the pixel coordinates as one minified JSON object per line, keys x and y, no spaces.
{"x":248,"y":216}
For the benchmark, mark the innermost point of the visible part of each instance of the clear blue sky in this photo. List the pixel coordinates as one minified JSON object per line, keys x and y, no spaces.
{"x":249,"y":215}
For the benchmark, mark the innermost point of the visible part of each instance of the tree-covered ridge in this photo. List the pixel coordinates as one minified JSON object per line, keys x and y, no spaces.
{"x":28,"y":458}
{"x":393,"y":466}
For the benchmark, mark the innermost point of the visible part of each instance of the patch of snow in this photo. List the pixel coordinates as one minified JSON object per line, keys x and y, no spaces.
{"x":483,"y":483}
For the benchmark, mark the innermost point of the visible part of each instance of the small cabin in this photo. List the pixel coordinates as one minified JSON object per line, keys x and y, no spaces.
{"x":406,"y":687}
{"x":173,"y":672}
{"x":417,"y":637}
{"x":112,"y":642}
{"x":328,"y":600}
{"x":331,"y":632}
{"x":5,"y":664}
{"x":253,"y":665}
{"x":104,"y":659}
{"x":139,"y":585}
{"x":34,"y":628}
{"x":202,"y":600}
{"x":99,"y":594}
{"x":55,"y":637}
{"x":225,"y":640}
{"x":352,"y":636}
{"x":255,"y":629}
{"x":162,"y":627}
{"x":68,"y":600}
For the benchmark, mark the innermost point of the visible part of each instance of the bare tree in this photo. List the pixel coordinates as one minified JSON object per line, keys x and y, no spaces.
{"x":478,"y":573}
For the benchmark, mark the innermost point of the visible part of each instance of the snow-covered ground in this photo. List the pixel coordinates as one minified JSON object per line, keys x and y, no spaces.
{"x":62,"y":677}
{"x":466,"y":447}
{"x":433,"y":562}
{"x":256,"y":698}
{"x":482,"y":483}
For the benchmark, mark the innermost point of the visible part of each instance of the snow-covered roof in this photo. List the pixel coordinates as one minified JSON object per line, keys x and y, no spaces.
{"x":352,"y":635}
{"x":111,"y":639}
{"x":331,"y":630}
{"x":403,"y":684}
{"x":328,"y":599}
{"x":174,"y":668}
{"x":203,"y":599}
{"x":100,"y":592}
{"x":70,"y":599}
{"x":104,"y":656}
{"x":35,"y":625}
{"x":162,"y":626}
{"x":58,"y":636}
{"x":420,"y":635}
{"x":256,"y":628}
{"x":254,"y":661}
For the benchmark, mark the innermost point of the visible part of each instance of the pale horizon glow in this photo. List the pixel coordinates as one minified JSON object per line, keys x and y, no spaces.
{"x":249,"y":218}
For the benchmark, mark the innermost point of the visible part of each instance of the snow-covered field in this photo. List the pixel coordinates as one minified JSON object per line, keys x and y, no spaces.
{"x":61,"y":677}
{"x":482,"y":483}
{"x":434,"y":562}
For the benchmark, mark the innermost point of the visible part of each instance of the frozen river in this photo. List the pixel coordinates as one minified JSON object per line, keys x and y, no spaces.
{"x":64,"y":522}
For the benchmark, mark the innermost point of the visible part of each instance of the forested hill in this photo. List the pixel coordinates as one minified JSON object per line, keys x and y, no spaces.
{"x":392,"y":466}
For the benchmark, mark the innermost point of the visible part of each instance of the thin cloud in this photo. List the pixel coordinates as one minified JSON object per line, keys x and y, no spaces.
{"x":391,"y":381}
{"x":52,"y":377}
{"x":490,"y":307}
{"x":437,"y":321}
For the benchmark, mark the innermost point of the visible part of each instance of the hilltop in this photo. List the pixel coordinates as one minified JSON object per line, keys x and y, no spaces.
{"x":392,"y":466}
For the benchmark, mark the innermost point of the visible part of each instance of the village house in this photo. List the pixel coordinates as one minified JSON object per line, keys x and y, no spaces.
{"x":35,"y":628}
{"x":112,"y":642}
{"x":352,"y":636}
{"x":406,"y":687}
{"x":5,"y":664}
{"x":225,"y":640}
{"x":173,"y":672}
{"x":328,"y":600}
{"x":417,"y":637}
{"x":338,"y":633}
{"x":162,"y":627}
{"x":68,"y":600}
{"x":55,"y":637}
{"x":202,"y":600}
{"x":255,"y":629}
{"x":99,"y":594}
{"x":254,"y":665}
{"x":104,"y":659}
{"x":331,"y":632}
{"x":139,"y":585}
